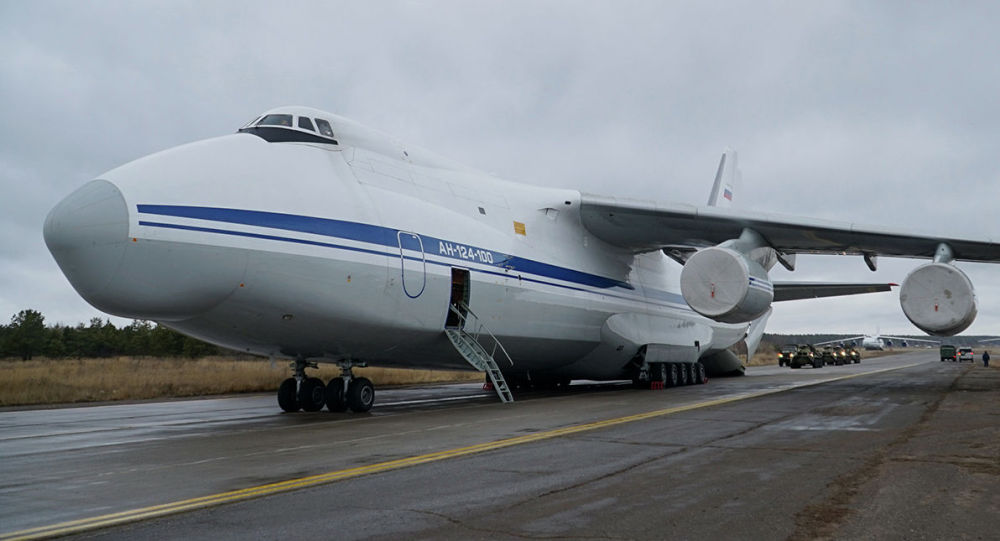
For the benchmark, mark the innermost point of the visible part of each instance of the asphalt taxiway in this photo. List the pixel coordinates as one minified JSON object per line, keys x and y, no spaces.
{"x":896,"y":447}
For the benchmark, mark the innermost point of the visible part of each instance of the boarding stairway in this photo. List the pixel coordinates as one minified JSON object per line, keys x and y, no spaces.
{"x":469,"y":345}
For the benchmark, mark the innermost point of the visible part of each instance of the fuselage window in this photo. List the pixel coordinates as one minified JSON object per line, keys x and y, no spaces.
{"x":276,"y":120}
{"x":306,"y":124}
{"x":324,"y":127}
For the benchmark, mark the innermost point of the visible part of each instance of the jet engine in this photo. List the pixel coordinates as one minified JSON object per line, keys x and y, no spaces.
{"x":723,"y":284}
{"x":939,"y":299}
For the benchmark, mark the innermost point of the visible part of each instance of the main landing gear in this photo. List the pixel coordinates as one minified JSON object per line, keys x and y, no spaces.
{"x":340,"y":394}
{"x":662,"y":375}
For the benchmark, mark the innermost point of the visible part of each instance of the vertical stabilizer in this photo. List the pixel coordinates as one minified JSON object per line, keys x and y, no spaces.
{"x":727,"y":180}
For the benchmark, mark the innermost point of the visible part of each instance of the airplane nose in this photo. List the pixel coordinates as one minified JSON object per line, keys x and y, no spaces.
{"x":87,"y":233}
{"x":140,"y":278}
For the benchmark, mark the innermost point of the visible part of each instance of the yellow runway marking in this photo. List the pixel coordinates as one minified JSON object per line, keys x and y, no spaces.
{"x":155,"y":511}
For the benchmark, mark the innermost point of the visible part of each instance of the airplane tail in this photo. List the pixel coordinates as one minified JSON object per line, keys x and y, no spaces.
{"x":726,"y":181}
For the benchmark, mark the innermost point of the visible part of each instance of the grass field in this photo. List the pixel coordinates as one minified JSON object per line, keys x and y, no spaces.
{"x":61,"y":381}
{"x":58,"y":381}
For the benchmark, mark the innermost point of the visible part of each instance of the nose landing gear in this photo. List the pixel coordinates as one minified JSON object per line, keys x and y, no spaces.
{"x":341,"y":393}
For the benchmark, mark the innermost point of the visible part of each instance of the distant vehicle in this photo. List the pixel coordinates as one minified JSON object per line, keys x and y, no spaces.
{"x":854,"y":355}
{"x":786,"y":353}
{"x":948,"y":353}
{"x":805,"y":355}
{"x":965,"y":354}
{"x":829,"y":355}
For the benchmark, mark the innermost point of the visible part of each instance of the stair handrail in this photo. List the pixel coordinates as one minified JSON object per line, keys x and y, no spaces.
{"x":480,"y":327}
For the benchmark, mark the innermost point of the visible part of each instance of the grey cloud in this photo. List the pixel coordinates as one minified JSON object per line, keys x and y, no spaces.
{"x":880,"y":113}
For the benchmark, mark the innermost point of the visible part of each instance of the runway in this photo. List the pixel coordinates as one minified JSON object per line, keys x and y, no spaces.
{"x":778,"y":454}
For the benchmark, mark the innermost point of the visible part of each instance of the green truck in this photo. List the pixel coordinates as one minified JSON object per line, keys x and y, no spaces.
{"x":805,"y":355}
{"x":948,"y":353}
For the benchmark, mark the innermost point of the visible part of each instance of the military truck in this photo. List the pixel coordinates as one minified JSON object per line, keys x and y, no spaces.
{"x":830,"y":355}
{"x":786,"y":353}
{"x":948,"y":353}
{"x":805,"y":355}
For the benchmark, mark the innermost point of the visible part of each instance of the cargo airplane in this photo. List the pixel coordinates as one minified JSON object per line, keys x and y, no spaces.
{"x":878,"y":341}
{"x":309,"y":237}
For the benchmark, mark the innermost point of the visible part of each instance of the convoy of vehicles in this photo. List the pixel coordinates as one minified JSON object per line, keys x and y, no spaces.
{"x":799,"y":355}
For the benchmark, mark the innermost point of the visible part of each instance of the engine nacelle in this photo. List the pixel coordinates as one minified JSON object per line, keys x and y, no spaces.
{"x":722,"y":284}
{"x":939,"y":299}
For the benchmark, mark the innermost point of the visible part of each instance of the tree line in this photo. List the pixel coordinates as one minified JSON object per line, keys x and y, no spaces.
{"x":28,"y":336}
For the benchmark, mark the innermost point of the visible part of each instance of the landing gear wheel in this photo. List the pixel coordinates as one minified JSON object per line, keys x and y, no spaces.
{"x":673,"y":377}
{"x":312,"y":394}
{"x":657,"y":375}
{"x":335,"y":399}
{"x":699,"y":373}
{"x":685,"y":374}
{"x":360,"y":395}
{"x":288,"y":398}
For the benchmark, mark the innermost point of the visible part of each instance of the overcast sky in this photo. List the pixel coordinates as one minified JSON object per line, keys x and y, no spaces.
{"x":874,"y":112}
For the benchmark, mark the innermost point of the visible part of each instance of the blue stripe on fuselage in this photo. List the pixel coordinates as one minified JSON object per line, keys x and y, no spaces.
{"x":373,"y":234}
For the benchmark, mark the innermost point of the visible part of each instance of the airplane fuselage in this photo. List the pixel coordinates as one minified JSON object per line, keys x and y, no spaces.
{"x":355,"y":250}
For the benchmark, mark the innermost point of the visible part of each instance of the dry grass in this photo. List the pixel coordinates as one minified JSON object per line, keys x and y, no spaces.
{"x":48,"y":381}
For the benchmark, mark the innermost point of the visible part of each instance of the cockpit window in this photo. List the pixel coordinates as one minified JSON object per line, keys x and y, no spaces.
{"x":324,"y":127}
{"x":276,"y":120}
{"x":251,"y":123}
{"x":291,"y":128}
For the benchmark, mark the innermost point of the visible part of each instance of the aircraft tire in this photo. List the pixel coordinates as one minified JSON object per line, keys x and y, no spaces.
{"x":312,"y":394}
{"x":657,"y":373}
{"x":685,"y":375}
{"x":288,"y":398}
{"x":360,"y":395}
{"x":700,"y":377}
{"x":334,"y":395}
{"x":673,"y":378}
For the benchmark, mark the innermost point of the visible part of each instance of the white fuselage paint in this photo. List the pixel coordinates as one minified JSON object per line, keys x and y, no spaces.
{"x":345,"y":252}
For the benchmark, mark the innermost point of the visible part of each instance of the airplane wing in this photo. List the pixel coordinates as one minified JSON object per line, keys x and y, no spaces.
{"x":644,"y":226}
{"x":905,"y":339}
{"x":792,"y":291}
